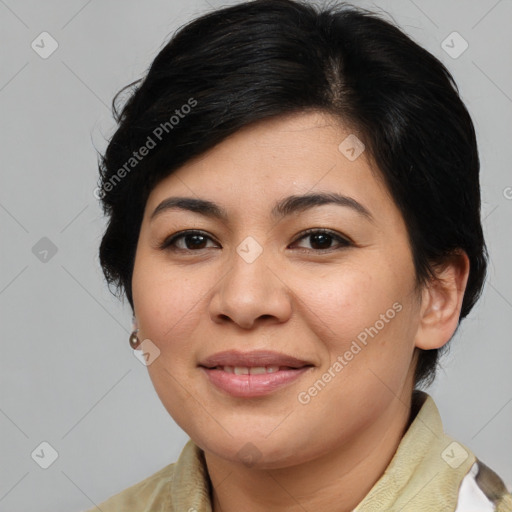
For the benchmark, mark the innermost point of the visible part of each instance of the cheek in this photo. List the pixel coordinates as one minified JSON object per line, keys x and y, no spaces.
{"x":364,"y":318}
{"x":167,"y":301}
{"x":345,"y":301}
{"x":168,"y":308}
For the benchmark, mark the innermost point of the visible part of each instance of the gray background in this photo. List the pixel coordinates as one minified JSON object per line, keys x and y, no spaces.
{"x":68,"y":376}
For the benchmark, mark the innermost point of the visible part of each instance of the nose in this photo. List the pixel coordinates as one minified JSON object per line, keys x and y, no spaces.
{"x":251,"y":293}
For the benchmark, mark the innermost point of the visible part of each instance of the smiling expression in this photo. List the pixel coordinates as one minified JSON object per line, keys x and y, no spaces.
{"x":274,"y":245}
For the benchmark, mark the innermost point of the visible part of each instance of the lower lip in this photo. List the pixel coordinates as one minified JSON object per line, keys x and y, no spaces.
{"x":248,"y":386}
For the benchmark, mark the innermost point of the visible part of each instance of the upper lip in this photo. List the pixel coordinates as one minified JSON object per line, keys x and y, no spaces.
{"x":251,"y":359}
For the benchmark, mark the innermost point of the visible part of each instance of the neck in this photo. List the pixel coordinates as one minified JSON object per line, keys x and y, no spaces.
{"x":337,"y":480}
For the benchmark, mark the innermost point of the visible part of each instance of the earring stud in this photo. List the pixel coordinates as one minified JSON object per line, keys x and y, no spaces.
{"x":134,"y":339}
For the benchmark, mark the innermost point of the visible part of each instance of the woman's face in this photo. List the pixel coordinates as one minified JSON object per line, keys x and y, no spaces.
{"x":321,"y":325}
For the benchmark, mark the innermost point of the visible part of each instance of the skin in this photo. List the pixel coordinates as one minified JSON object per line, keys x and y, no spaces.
{"x":294,"y":298}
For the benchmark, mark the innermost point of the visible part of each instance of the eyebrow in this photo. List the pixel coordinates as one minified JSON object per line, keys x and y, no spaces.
{"x":283,"y":208}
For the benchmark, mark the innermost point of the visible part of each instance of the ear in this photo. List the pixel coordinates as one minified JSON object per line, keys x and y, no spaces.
{"x":441,"y":302}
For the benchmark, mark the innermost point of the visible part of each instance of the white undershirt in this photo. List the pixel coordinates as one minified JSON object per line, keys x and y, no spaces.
{"x":471,"y":497}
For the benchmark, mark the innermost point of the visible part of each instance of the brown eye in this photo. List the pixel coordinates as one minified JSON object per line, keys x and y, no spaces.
{"x":323,"y":240}
{"x":187,"y":241}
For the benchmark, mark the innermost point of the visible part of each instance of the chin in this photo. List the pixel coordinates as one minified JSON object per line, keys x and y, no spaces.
{"x":256,"y":451}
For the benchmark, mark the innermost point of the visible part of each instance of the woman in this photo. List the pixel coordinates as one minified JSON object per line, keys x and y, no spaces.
{"x":294,"y":216}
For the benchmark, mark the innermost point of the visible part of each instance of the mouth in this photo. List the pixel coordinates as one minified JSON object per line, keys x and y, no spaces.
{"x":252,"y":374}
{"x":253,"y":359}
{"x":251,"y":370}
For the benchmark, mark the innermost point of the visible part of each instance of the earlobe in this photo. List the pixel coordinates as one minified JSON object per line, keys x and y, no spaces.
{"x":441,"y":303}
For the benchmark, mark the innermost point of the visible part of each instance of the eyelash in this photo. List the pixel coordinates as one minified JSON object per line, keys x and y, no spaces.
{"x":168,"y":243}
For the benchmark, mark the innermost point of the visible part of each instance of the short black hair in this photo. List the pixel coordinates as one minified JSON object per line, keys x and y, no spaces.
{"x":265,"y":58}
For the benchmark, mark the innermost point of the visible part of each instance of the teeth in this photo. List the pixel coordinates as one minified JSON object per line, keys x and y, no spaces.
{"x":253,"y":370}
{"x":257,"y":370}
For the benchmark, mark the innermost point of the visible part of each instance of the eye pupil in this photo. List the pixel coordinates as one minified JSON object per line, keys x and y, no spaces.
{"x":197,"y":241}
{"x":321,"y":239}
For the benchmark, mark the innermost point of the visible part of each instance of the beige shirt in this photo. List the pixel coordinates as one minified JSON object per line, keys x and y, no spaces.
{"x":430,"y":472}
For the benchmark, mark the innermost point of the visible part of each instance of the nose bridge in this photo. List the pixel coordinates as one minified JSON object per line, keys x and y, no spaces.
{"x":250,"y":289}
{"x":248,"y":277}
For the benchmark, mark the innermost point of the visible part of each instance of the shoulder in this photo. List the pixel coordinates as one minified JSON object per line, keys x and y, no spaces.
{"x":151,"y":494}
{"x":181,"y":486}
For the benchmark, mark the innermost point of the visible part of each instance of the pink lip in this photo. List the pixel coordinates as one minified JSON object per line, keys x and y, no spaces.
{"x":253,"y":358}
{"x":248,"y":386}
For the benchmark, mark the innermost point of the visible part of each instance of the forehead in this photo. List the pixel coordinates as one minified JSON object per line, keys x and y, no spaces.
{"x":278,"y":157}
